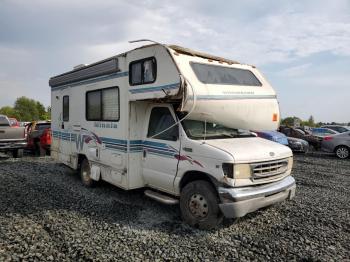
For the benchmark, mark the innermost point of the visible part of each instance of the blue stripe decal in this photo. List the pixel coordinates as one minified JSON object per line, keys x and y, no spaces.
{"x":112,"y":140}
{"x":92,"y":80}
{"x":137,"y":142}
{"x":154,"y":88}
{"x":135,"y":146}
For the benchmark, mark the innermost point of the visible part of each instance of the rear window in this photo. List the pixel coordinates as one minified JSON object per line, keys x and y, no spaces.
{"x":212,"y":74}
{"x":4,"y":121}
{"x":42,"y":126}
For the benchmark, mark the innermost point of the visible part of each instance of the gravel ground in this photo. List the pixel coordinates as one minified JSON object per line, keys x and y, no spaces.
{"x":46,"y":214}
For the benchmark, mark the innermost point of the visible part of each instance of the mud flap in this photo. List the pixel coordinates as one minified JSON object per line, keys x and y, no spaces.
{"x":95,"y":173}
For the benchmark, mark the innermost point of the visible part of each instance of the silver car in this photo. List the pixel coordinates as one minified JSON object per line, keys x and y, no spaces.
{"x":339,"y":144}
{"x":339,"y":129}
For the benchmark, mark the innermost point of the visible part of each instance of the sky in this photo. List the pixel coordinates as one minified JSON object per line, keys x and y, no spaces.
{"x":302,"y":47}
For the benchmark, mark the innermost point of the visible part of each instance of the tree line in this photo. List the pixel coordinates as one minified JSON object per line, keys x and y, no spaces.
{"x":26,"y":109}
{"x":293,"y":120}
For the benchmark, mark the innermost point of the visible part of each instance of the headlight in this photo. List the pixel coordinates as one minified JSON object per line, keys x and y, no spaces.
{"x":242,"y":171}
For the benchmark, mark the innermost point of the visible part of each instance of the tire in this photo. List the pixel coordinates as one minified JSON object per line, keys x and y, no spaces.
{"x":18,"y":153}
{"x":42,"y":151}
{"x":85,"y":171}
{"x":199,"y":205}
{"x":37,"y":148}
{"x":342,"y":152}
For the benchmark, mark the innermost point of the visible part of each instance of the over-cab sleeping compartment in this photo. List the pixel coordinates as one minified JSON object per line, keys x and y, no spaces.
{"x":228,"y":93}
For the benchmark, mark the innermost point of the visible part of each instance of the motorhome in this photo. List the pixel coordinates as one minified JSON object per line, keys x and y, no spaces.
{"x":171,"y":120}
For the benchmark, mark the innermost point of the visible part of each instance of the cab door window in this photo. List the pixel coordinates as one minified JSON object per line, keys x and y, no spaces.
{"x":161,"y":119}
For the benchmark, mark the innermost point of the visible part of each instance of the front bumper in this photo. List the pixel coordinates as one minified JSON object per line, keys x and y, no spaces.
{"x":237,"y":202}
{"x":299,"y":147}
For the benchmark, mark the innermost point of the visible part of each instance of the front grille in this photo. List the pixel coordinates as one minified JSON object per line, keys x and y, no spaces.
{"x":264,"y":170}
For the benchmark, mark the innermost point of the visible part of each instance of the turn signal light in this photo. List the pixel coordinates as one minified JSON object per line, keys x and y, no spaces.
{"x":274,"y":117}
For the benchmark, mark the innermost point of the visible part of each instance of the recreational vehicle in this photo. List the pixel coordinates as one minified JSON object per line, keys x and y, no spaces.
{"x":171,"y":120}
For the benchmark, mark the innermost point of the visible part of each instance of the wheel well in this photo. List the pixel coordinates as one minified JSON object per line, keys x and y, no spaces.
{"x":191,"y":176}
{"x":81,"y":157}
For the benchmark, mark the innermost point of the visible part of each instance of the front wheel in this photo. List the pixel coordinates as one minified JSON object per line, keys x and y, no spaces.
{"x":342,"y":152}
{"x":199,"y":205}
{"x":85,"y":174}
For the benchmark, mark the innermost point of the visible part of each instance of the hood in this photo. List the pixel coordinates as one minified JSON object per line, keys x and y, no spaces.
{"x":273,"y":136}
{"x":251,"y":149}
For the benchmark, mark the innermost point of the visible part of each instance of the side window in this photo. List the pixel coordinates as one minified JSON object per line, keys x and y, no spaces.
{"x":160,"y":120}
{"x":143,"y":71}
{"x":103,"y":105}
{"x":65,"y":111}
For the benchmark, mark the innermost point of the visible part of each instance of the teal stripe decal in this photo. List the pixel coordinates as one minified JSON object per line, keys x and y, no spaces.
{"x":154,"y":88}
{"x":233,"y":97}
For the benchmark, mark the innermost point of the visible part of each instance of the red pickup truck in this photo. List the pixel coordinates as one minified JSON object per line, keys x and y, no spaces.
{"x":39,"y":137}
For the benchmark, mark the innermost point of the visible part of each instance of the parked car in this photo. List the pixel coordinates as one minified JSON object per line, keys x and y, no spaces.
{"x":314,"y":141}
{"x":11,"y":139}
{"x":298,"y":145}
{"x":322,"y":132}
{"x":338,"y":144}
{"x":273,"y":136}
{"x":339,"y":129}
{"x":13,"y":122}
{"x":39,"y":137}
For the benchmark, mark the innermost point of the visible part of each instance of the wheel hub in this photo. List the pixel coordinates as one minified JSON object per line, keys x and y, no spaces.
{"x":86,"y":174}
{"x":342,"y":153}
{"x":198,"y":206}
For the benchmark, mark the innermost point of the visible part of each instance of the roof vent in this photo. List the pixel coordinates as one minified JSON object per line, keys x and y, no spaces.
{"x":80,"y":66}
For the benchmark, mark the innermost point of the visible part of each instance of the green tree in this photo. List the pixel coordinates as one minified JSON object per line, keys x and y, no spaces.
{"x":311,"y":121}
{"x":41,"y":111}
{"x":289,"y":121}
{"x":27,"y":109}
{"x":8,"y":111}
{"x":48,"y":112}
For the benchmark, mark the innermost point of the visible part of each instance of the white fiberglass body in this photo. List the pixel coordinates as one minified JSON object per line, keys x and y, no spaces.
{"x":162,"y":117}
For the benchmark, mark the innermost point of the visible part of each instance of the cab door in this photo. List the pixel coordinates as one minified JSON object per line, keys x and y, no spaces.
{"x":161,"y":148}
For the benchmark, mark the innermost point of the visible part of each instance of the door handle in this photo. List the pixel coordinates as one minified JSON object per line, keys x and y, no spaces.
{"x":144,"y":153}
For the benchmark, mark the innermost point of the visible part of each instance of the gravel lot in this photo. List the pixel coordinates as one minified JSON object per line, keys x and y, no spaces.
{"x":46,"y":214}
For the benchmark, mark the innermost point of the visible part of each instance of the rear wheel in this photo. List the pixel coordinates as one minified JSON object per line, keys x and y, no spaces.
{"x":18,"y":153}
{"x":342,"y":152}
{"x":85,"y":174}
{"x":42,"y":151}
{"x":199,"y":205}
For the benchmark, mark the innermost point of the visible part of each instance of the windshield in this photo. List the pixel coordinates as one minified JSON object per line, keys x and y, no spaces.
{"x":339,"y":129}
{"x":212,"y":74}
{"x":42,"y":126}
{"x":205,"y":130}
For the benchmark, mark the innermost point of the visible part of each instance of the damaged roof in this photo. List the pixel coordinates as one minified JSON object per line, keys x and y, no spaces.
{"x":187,"y":51}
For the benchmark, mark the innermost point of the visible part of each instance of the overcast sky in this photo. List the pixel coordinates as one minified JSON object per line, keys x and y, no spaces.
{"x":302,"y":47}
